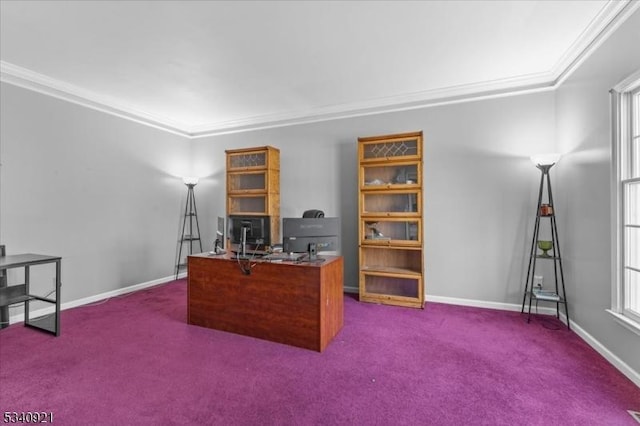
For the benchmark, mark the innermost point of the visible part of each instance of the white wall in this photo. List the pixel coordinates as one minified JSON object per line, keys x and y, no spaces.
{"x":480,"y":186}
{"x":90,"y":187}
{"x":584,"y":197}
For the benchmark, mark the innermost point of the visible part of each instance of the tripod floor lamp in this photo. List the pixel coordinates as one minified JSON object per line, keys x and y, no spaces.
{"x":191,"y":233}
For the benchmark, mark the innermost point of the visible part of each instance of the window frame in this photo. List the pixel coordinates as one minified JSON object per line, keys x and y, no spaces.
{"x":624,"y":102}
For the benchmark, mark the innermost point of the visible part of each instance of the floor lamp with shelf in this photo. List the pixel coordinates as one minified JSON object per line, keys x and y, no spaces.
{"x":545,"y":211}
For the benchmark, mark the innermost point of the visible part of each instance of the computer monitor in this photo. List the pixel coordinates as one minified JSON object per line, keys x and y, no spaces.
{"x":298,"y":234}
{"x":257,"y":230}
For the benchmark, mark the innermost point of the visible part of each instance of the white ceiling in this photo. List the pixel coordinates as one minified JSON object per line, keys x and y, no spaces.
{"x":205,"y":67}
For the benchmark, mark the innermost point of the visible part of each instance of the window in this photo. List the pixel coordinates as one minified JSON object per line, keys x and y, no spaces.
{"x":626,"y":189}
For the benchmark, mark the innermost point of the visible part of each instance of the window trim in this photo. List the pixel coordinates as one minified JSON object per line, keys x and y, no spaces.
{"x":621,"y":98}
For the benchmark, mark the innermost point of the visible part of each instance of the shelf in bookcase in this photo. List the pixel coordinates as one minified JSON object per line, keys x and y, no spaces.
{"x":388,"y":185}
{"x":391,"y":270}
{"x":391,"y":244}
{"x":387,"y":299}
{"x":247,"y":192}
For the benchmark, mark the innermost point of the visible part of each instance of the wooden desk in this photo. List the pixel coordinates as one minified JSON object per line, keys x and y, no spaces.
{"x":299,"y":304}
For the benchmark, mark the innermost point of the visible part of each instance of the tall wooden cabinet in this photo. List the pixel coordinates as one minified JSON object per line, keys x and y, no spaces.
{"x":390,"y":219}
{"x":253,"y":185}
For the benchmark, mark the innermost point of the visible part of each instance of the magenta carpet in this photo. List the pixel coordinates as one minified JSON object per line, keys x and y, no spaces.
{"x":134,"y":360}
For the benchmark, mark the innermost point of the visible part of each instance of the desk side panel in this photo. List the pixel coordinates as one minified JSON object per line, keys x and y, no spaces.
{"x":332,"y":297}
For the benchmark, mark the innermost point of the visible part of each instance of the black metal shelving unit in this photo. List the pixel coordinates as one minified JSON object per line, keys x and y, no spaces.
{"x":21,"y":293}
{"x":545,"y":212}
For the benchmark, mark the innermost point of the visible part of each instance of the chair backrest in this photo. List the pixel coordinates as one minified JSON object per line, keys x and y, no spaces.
{"x":313,"y":213}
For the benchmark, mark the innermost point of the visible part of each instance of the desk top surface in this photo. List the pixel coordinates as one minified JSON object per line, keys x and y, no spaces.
{"x":18,"y":260}
{"x":322,"y":259}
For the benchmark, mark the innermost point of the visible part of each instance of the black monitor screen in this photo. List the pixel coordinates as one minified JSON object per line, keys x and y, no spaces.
{"x":298,"y":233}
{"x":258,"y":232}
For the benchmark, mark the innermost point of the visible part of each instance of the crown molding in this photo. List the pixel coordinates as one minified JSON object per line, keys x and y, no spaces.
{"x":28,"y":79}
{"x":611,"y":16}
{"x":445,"y":96}
{"x":629,"y":84}
{"x":609,"y":19}
{"x":40,"y":83}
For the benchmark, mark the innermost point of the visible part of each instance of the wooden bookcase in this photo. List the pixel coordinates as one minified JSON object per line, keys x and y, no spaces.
{"x":253,"y":185}
{"x":390,"y":219}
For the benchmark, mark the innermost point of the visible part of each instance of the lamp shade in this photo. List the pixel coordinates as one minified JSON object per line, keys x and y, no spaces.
{"x":190,"y":180}
{"x":545,"y":159}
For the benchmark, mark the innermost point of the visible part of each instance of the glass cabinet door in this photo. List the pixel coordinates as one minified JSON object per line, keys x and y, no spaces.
{"x":391,"y":231}
{"x":391,"y":203}
{"x":253,"y":204}
{"x":382,"y":286}
{"x":398,"y":149}
{"x":403,"y":261}
{"x":247,"y":182}
{"x":243,"y":161}
{"x":390,"y":175}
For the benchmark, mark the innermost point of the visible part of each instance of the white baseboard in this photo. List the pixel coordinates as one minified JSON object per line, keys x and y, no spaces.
{"x":19,"y":316}
{"x":486,"y":304}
